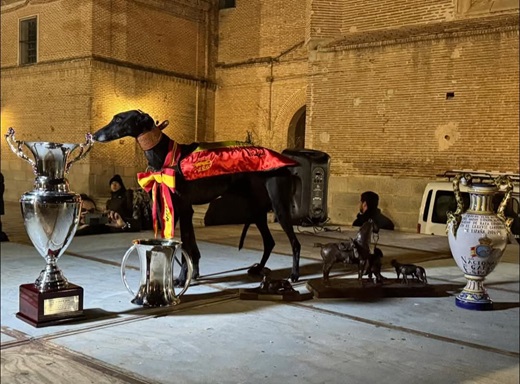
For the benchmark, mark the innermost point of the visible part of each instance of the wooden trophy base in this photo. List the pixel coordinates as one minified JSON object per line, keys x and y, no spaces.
{"x":41,"y":309}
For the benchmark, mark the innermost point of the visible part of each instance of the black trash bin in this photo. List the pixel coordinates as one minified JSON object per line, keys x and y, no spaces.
{"x":311,"y":181}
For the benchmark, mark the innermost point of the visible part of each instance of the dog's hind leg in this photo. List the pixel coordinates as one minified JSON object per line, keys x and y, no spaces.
{"x":279,"y":190}
{"x":269,"y":243}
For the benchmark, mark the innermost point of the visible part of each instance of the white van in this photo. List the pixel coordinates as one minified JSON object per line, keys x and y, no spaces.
{"x":438,"y":198}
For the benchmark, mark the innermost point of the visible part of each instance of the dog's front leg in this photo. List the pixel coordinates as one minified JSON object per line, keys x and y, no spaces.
{"x":189,"y":242}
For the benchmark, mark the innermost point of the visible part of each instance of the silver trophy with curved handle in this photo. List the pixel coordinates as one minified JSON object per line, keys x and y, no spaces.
{"x":51,"y":214}
{"x":159,"y":262}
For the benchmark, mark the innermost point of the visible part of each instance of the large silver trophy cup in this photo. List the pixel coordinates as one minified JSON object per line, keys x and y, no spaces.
{"x":51,"y":214}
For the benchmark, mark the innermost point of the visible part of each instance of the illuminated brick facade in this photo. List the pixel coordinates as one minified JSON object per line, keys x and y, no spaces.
{"x":97,"y":58}
{"x":395,"y":91}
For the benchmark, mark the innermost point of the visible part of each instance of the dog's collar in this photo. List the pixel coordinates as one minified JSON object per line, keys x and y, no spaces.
{"x":150,"y":139}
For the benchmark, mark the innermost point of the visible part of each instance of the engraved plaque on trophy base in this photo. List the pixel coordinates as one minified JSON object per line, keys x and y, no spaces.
{"x":41,"y":309}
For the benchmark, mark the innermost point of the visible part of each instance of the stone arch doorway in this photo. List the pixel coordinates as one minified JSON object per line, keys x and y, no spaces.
{"x":296,"y":133}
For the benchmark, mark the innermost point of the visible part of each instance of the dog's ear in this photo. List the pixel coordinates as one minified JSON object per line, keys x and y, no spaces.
{"x":145,"y":121}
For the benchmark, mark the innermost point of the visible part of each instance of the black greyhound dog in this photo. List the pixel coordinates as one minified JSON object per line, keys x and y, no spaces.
{"x":263,"y":191}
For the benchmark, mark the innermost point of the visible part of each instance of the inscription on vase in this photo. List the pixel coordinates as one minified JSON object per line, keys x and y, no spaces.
{"x":481,"y":224}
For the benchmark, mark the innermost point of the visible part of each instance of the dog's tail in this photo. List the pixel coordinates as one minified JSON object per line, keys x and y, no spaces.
{"x":243,"y":236}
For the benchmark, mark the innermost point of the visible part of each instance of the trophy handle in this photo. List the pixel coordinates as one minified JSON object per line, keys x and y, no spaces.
{"x":16,"y":147}
{"x":123,"y":268}
{"x":499,"y":181}
{"x":83,"y":150}
{"x":454,"y":218}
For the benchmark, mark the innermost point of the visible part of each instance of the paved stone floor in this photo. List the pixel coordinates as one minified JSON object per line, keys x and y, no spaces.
{"x":215,"y":337}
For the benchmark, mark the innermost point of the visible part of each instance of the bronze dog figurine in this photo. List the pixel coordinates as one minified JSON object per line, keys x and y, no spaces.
{"x":415,"y":271}
{"x":333,"y":253}
{"x":347,"y":253}
{"x":275,"y":287}
{"x":354,"y":251}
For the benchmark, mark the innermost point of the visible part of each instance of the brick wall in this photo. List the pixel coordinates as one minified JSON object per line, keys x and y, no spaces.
{"x":256,"y":29}
{"x":395,"y":91}
{"x":159,"y":34}
{"x":392,"y":103}
{"x":238,"y":31}
{"x":368,"y":15}
{"x":394,"y":109}
{"x":324,"y":19}
{"x":400,"y":198}
{"x":260,"y":99}
{"x":64,"y":30}
{"x":378,"y":91}
{"x":48,"y":102}
{"x":262,"y":70}
{"x":117,"y":89}
{"x":144,"y":54}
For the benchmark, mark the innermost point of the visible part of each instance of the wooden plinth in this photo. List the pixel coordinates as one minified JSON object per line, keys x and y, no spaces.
{"x":255,"y":294}
{"x":352,"y":288}
{"x":41,"y":309}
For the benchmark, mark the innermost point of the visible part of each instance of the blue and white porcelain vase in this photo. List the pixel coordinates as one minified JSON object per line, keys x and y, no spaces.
{"x":478,"y":236}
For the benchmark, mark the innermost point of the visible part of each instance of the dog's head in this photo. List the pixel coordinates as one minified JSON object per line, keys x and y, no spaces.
{"x":130,"y":123}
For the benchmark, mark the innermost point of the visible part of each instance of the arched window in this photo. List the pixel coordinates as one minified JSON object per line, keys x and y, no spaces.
{"x":296,"y":132}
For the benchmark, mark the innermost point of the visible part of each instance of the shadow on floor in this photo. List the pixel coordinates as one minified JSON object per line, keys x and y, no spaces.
{"x":284,"y":273}
{"x":98,"y":314}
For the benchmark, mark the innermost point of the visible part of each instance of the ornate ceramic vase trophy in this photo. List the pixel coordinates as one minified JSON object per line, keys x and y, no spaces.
{"x":51,"y":214}
{"x":478,"y":236}
{"x":157,"y":258}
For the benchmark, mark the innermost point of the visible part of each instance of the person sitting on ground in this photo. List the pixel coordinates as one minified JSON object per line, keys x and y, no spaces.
{"x":368,"y":210}
{"x":94,"y":222}
{"x":122,"y":199}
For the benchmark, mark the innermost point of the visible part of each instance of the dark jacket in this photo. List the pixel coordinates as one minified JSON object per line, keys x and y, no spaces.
{"x":122,"y":203}
{"x":381,"y":220}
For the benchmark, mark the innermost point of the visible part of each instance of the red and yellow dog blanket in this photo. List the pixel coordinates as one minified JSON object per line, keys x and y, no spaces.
{"x":207,"y":160}
{"x":228,"y":157}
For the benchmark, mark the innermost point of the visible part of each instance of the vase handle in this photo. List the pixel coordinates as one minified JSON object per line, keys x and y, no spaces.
{"x":83,"y":150}
{"x":499,"y":181}
{"x":454,"y":218}
{"x":16,"y":147}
